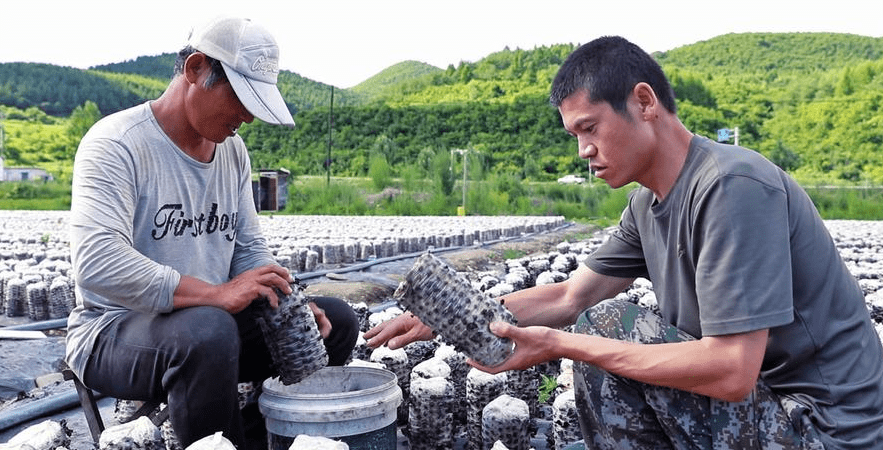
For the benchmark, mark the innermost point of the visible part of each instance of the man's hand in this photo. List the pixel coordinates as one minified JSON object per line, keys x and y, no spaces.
{"x":321,"y":320}
{"x":533,"y":345}
{"x":399,"y":332}
{"x":253,"y":284}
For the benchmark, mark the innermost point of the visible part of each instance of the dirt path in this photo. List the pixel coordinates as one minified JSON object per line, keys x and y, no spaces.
{"x":377,"y":284}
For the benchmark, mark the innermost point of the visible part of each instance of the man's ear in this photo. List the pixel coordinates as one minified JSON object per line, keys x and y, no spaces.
{"x":647,"y":101}
{"x":193,"y":65}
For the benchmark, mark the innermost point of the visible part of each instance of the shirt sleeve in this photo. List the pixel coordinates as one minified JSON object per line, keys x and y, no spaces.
{"x":621,"y":255}
{"x":102,"y":210}
{"x":741,"y":248}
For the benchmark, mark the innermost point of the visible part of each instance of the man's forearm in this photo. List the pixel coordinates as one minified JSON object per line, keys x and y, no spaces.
{"x":724,"y":367}
{"x":540,"y":305}
{"x":558,"y":305}
{"x":194,"y":292}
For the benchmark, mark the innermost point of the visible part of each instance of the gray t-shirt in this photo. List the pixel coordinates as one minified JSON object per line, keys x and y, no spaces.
{"x":143,"y":213}
{"x":738,"y":246}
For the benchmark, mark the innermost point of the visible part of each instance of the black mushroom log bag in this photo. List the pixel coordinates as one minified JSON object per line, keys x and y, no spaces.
{"x":451,"y":306}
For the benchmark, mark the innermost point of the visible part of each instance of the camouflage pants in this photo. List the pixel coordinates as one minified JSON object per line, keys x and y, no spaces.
{"x":619,"y":413}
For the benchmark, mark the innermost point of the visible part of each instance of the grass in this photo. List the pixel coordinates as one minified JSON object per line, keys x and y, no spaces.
{"x":311,"y":195}
{"x":848,"y":203}
{"x":512,"y":253}
{"x":35,"y":195}
{"x":594,"y":202}
{"x":548,"y":384}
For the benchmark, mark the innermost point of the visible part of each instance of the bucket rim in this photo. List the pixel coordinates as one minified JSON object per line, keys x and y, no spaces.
{"x":275,"y":387}
{"x":374,"y":401}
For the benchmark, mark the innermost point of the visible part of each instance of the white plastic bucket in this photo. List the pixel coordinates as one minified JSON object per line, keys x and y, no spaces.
{"x":352,"y":404}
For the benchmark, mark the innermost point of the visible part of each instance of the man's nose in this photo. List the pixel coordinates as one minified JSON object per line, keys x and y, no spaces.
{"x":246,"y":116}
{"x":587,"y":150}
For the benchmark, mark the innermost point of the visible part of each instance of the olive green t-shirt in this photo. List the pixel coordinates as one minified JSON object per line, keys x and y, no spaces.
{"x":738,"y":246}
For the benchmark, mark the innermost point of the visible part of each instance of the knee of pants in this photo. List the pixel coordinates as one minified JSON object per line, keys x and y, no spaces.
{"x":211,"y":335}
{"x":626,"y":321}
{"x":604,"y":318}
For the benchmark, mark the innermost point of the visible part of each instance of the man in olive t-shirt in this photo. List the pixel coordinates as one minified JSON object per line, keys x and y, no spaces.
{"x":764,"y":339}
{"x":738,"y":246}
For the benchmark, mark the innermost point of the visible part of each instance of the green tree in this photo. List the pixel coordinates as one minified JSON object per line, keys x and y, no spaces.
{"x":784,"y":157}
{"x":442,"y":173}
{"x":379,"y":171}
{"x":79,"y":122}
{"x":385,"y":147}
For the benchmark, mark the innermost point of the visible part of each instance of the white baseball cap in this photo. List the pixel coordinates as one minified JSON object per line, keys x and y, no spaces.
{"x":250,"y":58}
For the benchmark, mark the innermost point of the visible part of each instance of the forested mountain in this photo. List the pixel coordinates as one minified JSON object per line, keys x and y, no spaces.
{"x":305,"y":94}
{"x":160,"y":66}
{"x":390,"y":80}
{"x":774,"y":52}
{"x":58,"y":90}
{"x":809,"y":101}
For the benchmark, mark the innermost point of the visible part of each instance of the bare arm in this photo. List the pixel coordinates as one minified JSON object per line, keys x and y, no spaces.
{"x":724,"y":367}
{"x":559,"y":304}
{"x":236,"y":294}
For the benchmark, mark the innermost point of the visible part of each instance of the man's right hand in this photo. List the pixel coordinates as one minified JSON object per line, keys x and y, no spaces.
{"x":399,"y":332}
{"x":236,"y":294}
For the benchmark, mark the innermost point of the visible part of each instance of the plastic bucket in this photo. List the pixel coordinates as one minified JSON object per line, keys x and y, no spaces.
{"x":356,"y":405}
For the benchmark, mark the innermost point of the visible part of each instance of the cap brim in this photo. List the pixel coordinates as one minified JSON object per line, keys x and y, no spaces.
{"x":262,"y":100}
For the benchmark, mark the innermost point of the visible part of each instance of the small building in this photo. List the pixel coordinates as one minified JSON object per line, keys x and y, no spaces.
{"x":270,"y":190}
{"x":23,"y":173}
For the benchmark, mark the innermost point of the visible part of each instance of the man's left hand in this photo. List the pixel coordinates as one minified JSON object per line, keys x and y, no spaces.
{"x":321,"y":320}
{"x":533,"y":345}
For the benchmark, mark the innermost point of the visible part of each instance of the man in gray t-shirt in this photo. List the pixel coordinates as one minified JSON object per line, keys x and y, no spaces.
{"x":170,"y":263}
{"x":764,"y":339}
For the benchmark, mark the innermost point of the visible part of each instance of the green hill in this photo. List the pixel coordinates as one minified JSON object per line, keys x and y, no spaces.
{"x":771,"y":53}
{"x":58,"y":90}
{"x":811,"y":102}
{"x":393,"y":77}
{"x":159,"y":66}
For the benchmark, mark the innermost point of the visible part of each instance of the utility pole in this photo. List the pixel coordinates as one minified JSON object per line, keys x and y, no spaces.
{"x":330,"y":128}
{"x":723,"y":135}
{"x":2,"y":148}
{"x":2,"y":136}
{"x":461,"y":211}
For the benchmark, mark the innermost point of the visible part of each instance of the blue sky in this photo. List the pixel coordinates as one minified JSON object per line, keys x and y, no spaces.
{"x":343,"y":42}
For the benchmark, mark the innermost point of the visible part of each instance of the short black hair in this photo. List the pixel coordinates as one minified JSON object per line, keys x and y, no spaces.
{"x":608,"y":68}
{"x":217,"y":76}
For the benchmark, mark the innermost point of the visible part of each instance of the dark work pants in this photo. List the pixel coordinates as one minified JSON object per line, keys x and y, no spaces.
{"x":194,"y":359}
